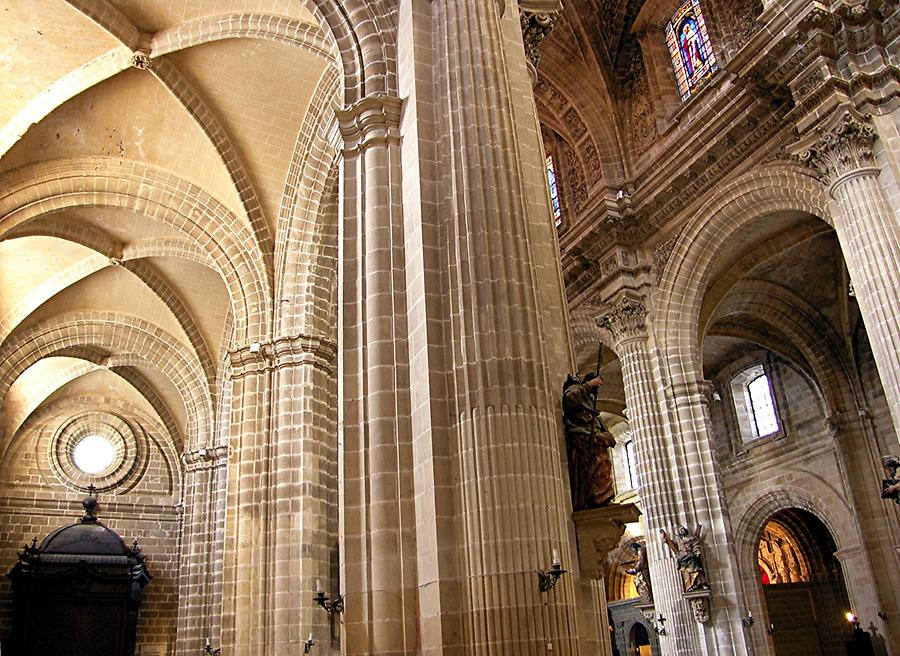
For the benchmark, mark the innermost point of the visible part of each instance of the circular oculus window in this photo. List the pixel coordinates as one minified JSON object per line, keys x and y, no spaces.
{"x":93,"y":454}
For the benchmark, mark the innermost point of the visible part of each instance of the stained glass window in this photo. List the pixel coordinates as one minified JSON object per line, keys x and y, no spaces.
{"x":554,"y":191}
{"x":692,"y":55}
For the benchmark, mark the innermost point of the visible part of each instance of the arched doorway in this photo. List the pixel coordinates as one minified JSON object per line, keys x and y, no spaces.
{"x":639,"y":641}
{"x":803,"y":585}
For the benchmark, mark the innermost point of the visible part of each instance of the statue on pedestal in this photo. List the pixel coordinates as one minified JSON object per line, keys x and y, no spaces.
{"x":687,"y":550}
{"x":587,"y":443}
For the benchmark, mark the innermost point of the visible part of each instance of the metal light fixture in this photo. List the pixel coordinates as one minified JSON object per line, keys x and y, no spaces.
{"x":660,"y":626}
{"x":547,"y":580}
{"x":212,"y":652}
{"x":853,"y":619}
{"x":308,"y":645}
{"x":748,"y":621}
{"x":331,"y":606}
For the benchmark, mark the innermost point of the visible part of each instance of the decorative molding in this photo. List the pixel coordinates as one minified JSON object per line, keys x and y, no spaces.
{"x":289,"y":351}
{"x":141,"y":60}
{"x":844,"y":148}
{"x":205,"y":458}
{"x":662,"y":253}
{"x":536,"y":25}
{"x":624,"y":319}
{"x":373,"y":120}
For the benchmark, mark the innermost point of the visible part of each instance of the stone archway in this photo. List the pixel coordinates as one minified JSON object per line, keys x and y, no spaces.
{"x":802,"y":585}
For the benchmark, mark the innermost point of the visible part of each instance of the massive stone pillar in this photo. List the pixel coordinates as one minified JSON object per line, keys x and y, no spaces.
{"x":452,"y":467}
{"x":661,"y":503}
{"x":679,"y":485}
{"x":248,"y":584}
{"x":869,"y":233}
{"x":279,"y":490}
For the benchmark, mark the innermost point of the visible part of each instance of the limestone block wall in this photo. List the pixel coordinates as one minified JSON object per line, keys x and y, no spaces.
{"x":806,"y":465}
{"x":40,"y":492}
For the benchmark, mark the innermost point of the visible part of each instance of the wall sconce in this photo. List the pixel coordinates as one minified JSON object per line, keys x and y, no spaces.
{"x":331,"y":606}
{"x":212,"y":652}
{"x":547,"y":580}
{"x":882,"y":615}
{"x":660,"y":626}
{"x":748,"y":621}
{"x":308,"y":645}
{"x":853,"y":619}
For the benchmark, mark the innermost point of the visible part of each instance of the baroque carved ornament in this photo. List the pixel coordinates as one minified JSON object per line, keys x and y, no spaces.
{"x":846,"y":147}
{"x":625,"y":319}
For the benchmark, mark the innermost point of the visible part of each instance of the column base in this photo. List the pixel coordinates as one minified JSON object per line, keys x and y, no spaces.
{"x":599,"y":531}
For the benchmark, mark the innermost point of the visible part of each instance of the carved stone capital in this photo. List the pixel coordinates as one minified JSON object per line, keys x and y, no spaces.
{"x":373,"y":120}
{"x":624,"y":319}
{"x":536,"y":25}
{"x":844,"y":148}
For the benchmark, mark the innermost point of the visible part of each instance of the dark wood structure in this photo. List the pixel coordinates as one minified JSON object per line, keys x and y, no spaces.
{"x":78,"y":593}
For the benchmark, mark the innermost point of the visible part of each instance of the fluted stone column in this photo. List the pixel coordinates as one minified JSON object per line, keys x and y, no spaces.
{"x":203,"y":521}
{"x":378,"y":520}
{"x":281,"y":481}
{"x":869,"y":233}
{"x":662,"y":502}
{"x":698,"y":481}
{"x":452,"y":459}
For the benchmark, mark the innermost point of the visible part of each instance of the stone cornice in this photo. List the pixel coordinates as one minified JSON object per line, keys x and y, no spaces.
{"x":842,"y":147}
{"x":373,"y":120}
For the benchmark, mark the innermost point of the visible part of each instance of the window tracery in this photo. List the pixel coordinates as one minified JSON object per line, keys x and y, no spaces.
{"x":689,"y":47}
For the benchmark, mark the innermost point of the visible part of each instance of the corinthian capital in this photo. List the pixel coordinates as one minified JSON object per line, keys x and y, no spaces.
{"x":845,"y":147}
{"x":624,"y":319}
{"x":537,"y":18}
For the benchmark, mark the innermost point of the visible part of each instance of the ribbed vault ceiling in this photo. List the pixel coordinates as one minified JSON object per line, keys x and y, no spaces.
{"x":125,"y":192}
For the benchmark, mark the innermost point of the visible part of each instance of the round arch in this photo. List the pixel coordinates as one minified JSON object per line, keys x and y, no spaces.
{"x":686,"y":276}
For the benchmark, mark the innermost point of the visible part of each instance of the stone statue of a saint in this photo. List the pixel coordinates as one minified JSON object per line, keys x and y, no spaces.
{"x":890,"y":484}
{"x":587,"y":443}
{"x":687,"y":550}
{"x":640,"y":570}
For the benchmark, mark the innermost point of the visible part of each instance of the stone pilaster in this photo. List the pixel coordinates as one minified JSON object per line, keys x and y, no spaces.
{"x":868,"y":230}
{"x":203,"y":522}
{"x":377,"y":530}
{"x":626,"y":323}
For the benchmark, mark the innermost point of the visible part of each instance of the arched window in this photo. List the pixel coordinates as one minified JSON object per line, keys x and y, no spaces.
{"x":554,"y":191}
{"x":692,"y":56}
{"x":762,"y":406}
{"x":754,"y":403}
